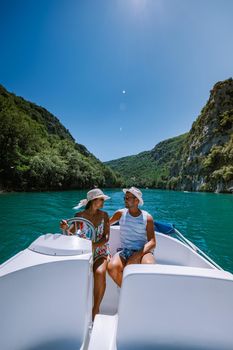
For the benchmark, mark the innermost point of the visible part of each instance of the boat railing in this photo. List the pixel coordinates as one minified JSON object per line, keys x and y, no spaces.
{"x":169,"y":229}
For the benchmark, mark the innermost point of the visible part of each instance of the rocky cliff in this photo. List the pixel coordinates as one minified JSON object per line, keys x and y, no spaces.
{"x":201,"y":160}
{"x":206,"y":162}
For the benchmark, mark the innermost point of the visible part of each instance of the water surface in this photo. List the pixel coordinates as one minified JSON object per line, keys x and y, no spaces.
{"x":205,"y":218}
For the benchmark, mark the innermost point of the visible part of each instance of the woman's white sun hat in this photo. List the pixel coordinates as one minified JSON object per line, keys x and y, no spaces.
{"x":136,"y":192}
{"x":92,"y":194}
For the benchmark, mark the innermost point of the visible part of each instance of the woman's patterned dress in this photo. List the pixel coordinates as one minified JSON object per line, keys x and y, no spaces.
{"x":85,"y":232}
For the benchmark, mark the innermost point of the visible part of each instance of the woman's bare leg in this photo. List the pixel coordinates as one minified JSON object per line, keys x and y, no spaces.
{"x":99,"y":270}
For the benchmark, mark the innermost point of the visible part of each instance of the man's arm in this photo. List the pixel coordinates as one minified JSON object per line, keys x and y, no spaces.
{"x":116,"y":217}
{"x":151,"y":244}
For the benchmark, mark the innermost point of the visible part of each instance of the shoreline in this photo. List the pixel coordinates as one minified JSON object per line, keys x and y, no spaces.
{"x":5,"y":191}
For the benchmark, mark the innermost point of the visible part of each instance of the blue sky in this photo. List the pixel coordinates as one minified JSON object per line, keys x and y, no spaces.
{"x":121,"y":75}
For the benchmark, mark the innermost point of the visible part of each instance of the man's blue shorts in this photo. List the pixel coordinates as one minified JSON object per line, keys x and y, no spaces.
{"x":126,"y":253}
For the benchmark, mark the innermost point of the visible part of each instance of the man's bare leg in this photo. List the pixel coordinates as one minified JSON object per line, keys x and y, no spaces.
{"x":115,"y":268}
{"x":148,"y":259}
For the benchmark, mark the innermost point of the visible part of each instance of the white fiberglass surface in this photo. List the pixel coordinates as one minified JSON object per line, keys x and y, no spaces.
{"x":169,"y":251}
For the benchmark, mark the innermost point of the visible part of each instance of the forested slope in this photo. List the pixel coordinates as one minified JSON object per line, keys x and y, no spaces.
{"x":38,"y":153}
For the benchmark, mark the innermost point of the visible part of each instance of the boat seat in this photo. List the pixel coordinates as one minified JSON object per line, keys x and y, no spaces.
{"x":175,"y":307}
{"x":48,"y":305}
{"x":169,"y":251}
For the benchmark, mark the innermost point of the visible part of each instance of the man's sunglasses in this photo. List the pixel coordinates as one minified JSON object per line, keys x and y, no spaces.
{"x":128,"y":197}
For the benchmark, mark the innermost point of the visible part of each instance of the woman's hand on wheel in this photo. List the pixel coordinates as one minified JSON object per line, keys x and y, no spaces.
{"x":64,"y":225}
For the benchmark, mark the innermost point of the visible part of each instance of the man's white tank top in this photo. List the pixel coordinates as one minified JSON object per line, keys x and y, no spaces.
{"x":133,"y":233}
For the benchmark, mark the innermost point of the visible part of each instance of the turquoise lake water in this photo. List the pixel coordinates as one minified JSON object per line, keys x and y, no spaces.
{"x":204,"y":218}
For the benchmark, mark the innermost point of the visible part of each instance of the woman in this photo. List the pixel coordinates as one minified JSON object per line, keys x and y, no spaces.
{"x":101,"y":254}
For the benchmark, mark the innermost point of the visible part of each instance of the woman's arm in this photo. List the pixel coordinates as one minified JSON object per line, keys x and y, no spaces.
{"x":65,"y":227}
{"x":115,"y":218}
{"x":70,"y":230}
{"x":106,"y":232}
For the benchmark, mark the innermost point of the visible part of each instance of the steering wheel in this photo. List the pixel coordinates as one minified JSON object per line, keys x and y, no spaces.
{"x":89,"y":225}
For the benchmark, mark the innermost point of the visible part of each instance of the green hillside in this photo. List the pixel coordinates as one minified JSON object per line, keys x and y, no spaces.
{"x":38,"y":153}
{"x":150,"y":168}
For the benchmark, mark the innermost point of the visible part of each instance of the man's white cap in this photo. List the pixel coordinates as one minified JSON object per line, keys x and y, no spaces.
{"x":136,"y":192}
{"x":92,"y":194}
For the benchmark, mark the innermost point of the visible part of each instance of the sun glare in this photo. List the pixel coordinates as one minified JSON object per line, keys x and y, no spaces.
{"x":139,"y":4}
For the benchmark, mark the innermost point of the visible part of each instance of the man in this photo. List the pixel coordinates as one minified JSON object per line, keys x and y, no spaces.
{"x":136,"y":235}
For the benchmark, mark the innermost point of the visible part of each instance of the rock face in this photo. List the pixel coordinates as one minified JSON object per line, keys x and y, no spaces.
{"x":207,"y":156}
{"x":201,"y":160}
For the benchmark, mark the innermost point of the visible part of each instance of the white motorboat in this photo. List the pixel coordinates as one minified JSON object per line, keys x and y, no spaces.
{"x":184,"y":301}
